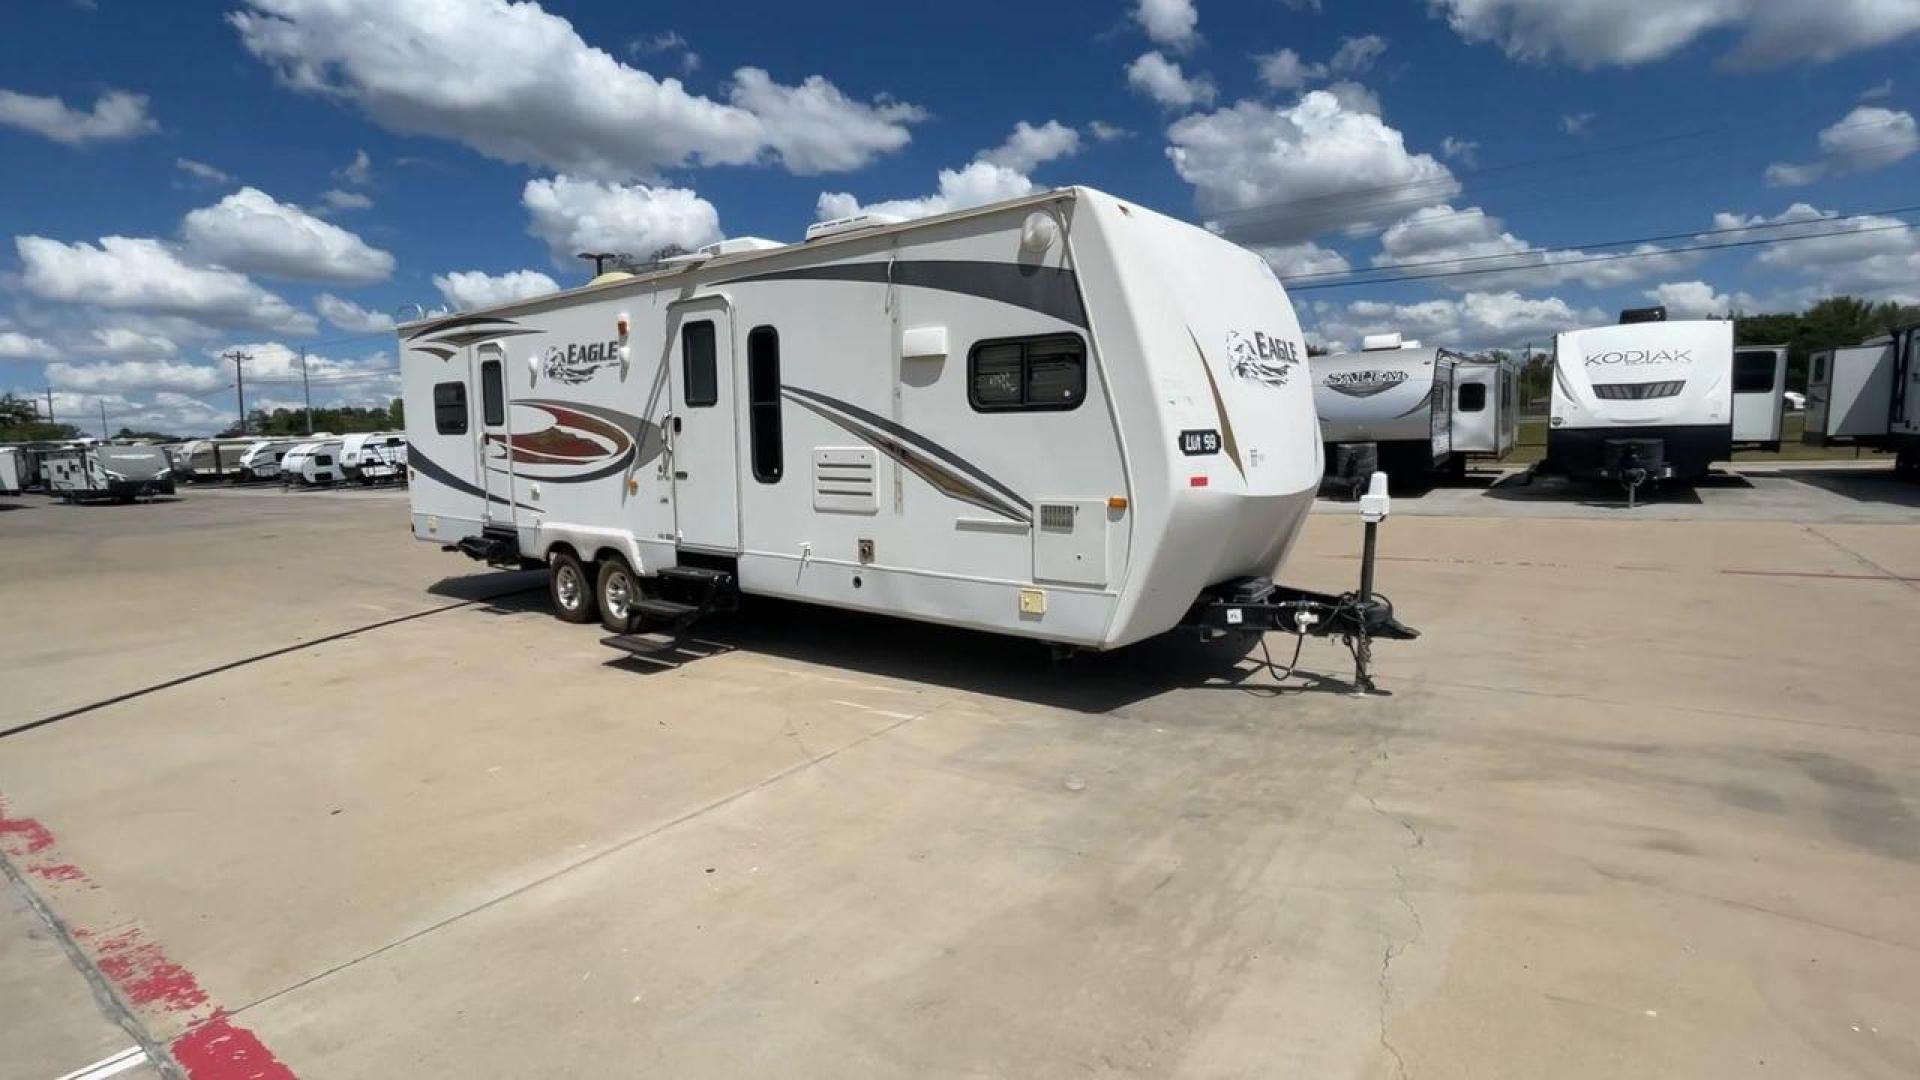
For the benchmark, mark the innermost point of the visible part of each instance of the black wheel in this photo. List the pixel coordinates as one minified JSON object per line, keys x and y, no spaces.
{"x":569,"y":588}
{"x":618,"y":591}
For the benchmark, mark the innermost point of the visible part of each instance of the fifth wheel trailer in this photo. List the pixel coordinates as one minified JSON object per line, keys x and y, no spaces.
{"x":1642,"y":401}
{"x":1063,"y":417}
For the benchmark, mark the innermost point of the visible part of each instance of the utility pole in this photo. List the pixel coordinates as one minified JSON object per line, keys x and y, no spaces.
{"x":103,"y":419}
{"x":49,"y":404}
{"x":305,"y":391}
{"x":239,"y":356}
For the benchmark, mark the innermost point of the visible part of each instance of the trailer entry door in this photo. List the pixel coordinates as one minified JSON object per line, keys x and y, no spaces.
{"x":702,"y":432}
{"x":496,"y":460}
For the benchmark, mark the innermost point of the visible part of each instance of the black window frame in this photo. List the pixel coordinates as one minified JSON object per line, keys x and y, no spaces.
{"x":1476,"y":392}
{"x":493,"y":393}
{"x":445,"y":409}
{"x":711,"y":361}
{"x":1738,"y":374}
{"x":1819,"y":367}
{"x":765,"y":451}
{"x":1027,"y":345}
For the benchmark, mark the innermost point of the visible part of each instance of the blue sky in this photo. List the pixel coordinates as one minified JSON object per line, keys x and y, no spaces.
{"x":188,"y":177}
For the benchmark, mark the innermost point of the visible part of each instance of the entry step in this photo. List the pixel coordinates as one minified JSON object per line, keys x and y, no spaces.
{"x":695,"y":575}
{"x":663,"y":609}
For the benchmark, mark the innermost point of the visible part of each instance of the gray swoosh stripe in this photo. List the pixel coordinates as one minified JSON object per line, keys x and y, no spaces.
{"x":954,"y":462}
{"x":416,"y":458}
{"x":458,"y":321}
{"x":1048,"y":290}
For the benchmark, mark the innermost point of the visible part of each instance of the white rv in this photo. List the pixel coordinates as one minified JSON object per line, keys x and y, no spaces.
{"x":1388,"y":406}
{"x":261,"y":461}
{"x":203,"y":460}
{"x":1063,"y":417}
{"x":1759,"y":395}
{"x":1645,"y":400}
{"x":1869,"y":396}
{"x":12,"y":470}
{"x":312,"y":464}
{"x":123,"y":473}
{"x":370,"y":456}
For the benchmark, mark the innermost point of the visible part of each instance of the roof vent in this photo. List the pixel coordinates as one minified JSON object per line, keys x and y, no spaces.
{"x":1410,"y":345}
{"x":737,"y":245}
{"x":1380,"y":342}
{"x":855,"y":223}
{"x":1643,"y":314}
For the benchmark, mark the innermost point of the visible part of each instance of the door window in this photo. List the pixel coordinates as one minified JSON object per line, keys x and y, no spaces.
{"x":763,"y":403}
{"x":1473,"y":397}
{"x":493,"y":396}
{"x":697,"y":367}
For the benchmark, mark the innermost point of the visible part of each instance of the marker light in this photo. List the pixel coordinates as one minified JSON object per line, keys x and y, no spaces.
{"x":1196,"y":481}
{"x":1117,"y":502}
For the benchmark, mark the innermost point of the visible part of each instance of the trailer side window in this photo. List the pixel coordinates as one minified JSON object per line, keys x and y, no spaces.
{"x":697,"y":372}
{"x":1752,"y":373}
{"x":1027,"y":373}
{"x":1820,"y":367}
{"x":763,"y":403}
{"x":1506,"y":395}
{"x":1473,"y":397}
{"x":450,"y":408}
{"x":493,"y":396}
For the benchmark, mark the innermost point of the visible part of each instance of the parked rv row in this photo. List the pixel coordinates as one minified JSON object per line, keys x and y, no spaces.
{"x":1639,"y":402}
{"x":90,"y":469}
{"x":310,"y":461}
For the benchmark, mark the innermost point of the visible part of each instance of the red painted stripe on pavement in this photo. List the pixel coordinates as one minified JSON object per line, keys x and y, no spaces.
{"x":212,"y":1047}
{"x":217,"y":1050}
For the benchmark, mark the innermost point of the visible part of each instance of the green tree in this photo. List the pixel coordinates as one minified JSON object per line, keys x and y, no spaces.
{"x":20,"y":422}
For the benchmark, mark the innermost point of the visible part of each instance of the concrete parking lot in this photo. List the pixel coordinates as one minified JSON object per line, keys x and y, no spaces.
{"x":285,"y":793}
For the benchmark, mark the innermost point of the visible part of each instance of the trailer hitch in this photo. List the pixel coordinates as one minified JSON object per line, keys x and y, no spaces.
{"x":1257,"y":605}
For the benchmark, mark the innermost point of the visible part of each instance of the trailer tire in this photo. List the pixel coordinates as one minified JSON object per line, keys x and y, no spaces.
{"x":569,"y":589}
{"x":617,"y":590}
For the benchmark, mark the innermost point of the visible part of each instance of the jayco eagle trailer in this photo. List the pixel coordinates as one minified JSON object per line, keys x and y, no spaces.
{"x":1063,"y":417}
{"x":1486,"y":409}
{"x":1388,"y":406}
{"x":1759,"y":395}
{"x":1869,"y":396}
{"x":1644,"y":400}
{"x":109,"y":472}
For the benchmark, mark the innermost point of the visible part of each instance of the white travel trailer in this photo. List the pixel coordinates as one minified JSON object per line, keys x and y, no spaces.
{"x":123,"y":473}
{"x":1869,"y":396}
{"x":203,"y":460}
{"x":1388,"y":406}
{"x":12,"y":470}
{"x":1759,"y":395}
{"x":369,"y":456}
{"x":1063,"y":417}
{"x":312,"y":464}
{"x":1644,"y":400}
{"x":261,"y":461}
{"x":1486,"y":409}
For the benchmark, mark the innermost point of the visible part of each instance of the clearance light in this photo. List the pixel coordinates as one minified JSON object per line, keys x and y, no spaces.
{"x":1196,"y":481}
{"x":1118,"y":502}
{"x":623,"y":325}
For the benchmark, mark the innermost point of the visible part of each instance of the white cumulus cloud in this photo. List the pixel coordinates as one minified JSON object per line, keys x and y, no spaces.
{"x":1602,"y":33}
{"x":1690,"y":299}
{"x":1303,"y":259}
{"x":1173,"y":23}
{"x":251,"y":231}
{"x":1162,"y":80}
{"x":573,"y":215}
{"x":1476,"y":321}
{"x":115,"y":115}
{"x":201,"y":170}
{"x":1285,"y":70}
{"x":1866,"y":139}
{"x":125,"y":342}
{"x":15,"y":345}
{"x":468,"y":289}
{"x":1281,"y":175}
{"x":350,"y":316}
{"x":1030,"y":147}
{"x":124,"y":375}
{"x":1477,"y":246}
{"x":545,"y":97}
{"x":977,"y":184}
{"x":142,"y":274}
